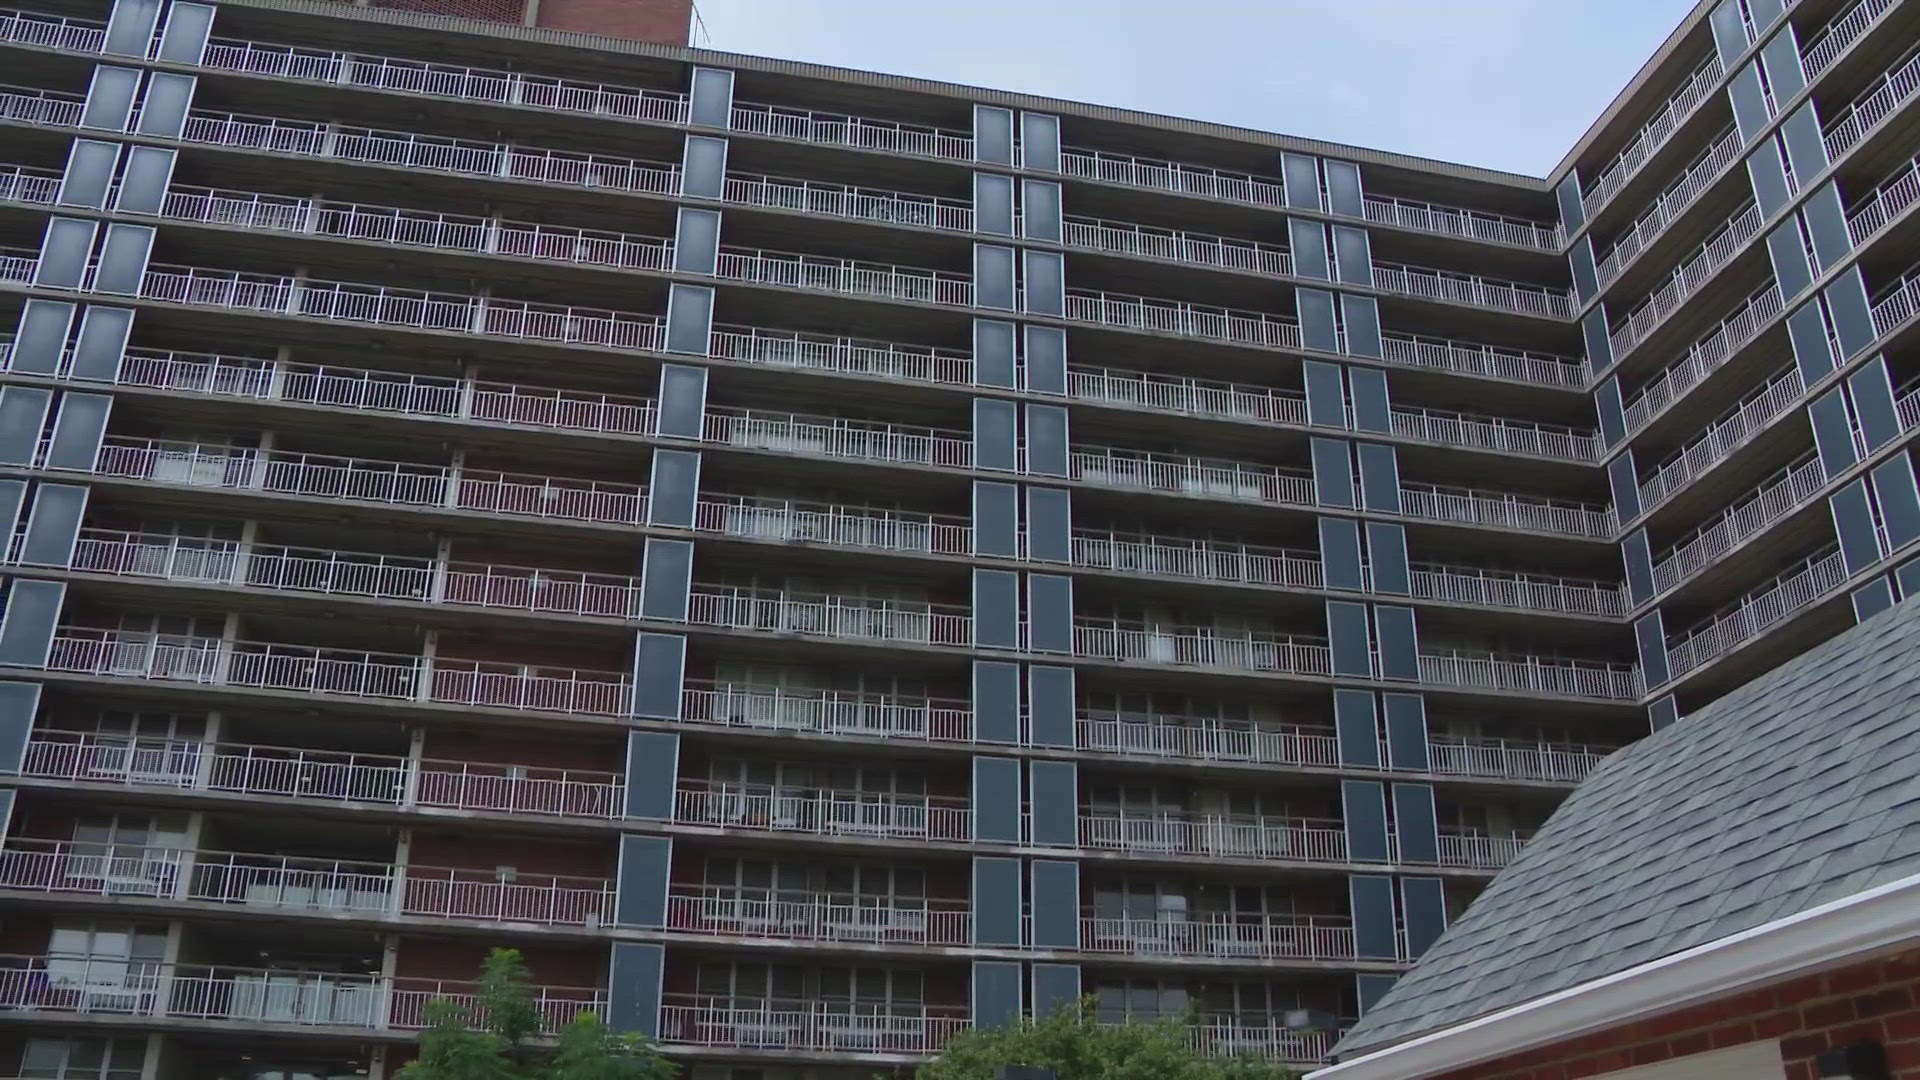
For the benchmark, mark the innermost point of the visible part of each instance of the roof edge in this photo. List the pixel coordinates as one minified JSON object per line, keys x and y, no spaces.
{"x":1842,"y":931}
{"x":345,"y":9}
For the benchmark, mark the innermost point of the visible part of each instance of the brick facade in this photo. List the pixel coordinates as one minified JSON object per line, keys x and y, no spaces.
{"x":1878,"y":1001}
{"x":667,"y":22}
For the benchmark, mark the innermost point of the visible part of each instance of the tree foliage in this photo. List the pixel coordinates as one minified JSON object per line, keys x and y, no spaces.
{"x":1077,"y":1046}
{"x":492,"y":1039}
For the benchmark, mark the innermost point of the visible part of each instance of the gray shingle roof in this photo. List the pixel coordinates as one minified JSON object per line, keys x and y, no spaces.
{"x":1800,"y":788}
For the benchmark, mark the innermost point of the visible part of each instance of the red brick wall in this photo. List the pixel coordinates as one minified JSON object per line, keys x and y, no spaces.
{"x":1878,"y":1001}
{"x":665,"y":21}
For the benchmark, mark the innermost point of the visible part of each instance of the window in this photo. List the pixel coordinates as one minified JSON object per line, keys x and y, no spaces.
{"x":83,"y":1059}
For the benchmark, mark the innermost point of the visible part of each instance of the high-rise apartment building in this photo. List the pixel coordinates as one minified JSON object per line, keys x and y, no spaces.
{"x":817,"y":560}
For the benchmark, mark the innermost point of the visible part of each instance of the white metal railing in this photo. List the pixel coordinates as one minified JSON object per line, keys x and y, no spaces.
{"x":1132,"y":469}
{"x":855,"y":131}
{"x":1171,"y":176}
{"x":105,"y":985}
{"x":388,"y":391}
{"x":1897,"y":304}
{"x":851,"y":276}
{"x":1226,"y":937}
{"x":1721,"y":438}
{"x":387,"y":483}
{"x":1653,"y":134}
{"x":52,"y":32}
{"x":826,"y":811}
{"x":1471,"y":359}
{"x":1250,"y":650}
{"x":1176,"y":245}
{"x":1454,"y":221}
{"x":447,"y":80}
{"x":1209,"y":560}
{"x":1908,"y":409}
{"x":432,"y":153}
{"x":831,"y":436}
{"x":1180,"y":317}
{"x":1202,"y":739}
{"x":21,"y":184}
{"x":1893,"y":87}
{"x":1220,"y":1035}
{"x":1178,"y":393}
{"x":1473,"y":289}
{"x":1741,"y":519}
{"x":1495,"y":433}
{"x":1241,"y":836}
{"x":761,"y":518}
{"x":832,"y":712}
{"x":793,"y":1024}
{"x":1705,"y":356}
{"x":1827,"y":43}
{"x":1724,"y":151}
{"x":1694,"y":271}
{"x":842,"y":200}
{"x":1465,"y":585}
{"x":17,"y":266}
{"x":1513,"y":759}
{"x":1533,"y":674}
{"x":48,"y":107}
{"x":730,"y":911}
{"x":842,"y":355}
{"x":1479,"y":852}
{"x":1800,"y":587}
{"x":1497,"y":508}
{"x":859,"y":618}
{"x":557,"y":1007}
{"x":1900,"y":190}
{"x":417,"y":228}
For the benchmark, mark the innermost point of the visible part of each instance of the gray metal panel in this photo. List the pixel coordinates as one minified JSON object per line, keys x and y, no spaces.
{"x":1348,"y":639}
{"x":1872,"y":598}
{"x":1416,"y":823}
{"x":996,"y":426}
{"x":640,"y":893}
{"x":690,"y":319}
{"x":89,"y":173}
{"x":1407,"y":746}
{"x":996,"y":701}
{"x":1049,"y":524}
{"x":1788,"y":253}
{"x":1045,"y":363}
{"x":1806,"y":150}
{"x":1894,"y":490}
{"x":1374,"y":931}
{"x":1356,"y":724}
{"x":42,"y":338}
{"x":1623,"y":480}
{"x":1662,"y":714}
{"x":992,"y":135}
{"x":696,"y":241}
{"x":996,"y":994}
{"x":1379,"y":477}
{"x":1308,"y":240}
{"x":13,"y":497}
{"x":64,"y":253}
{"x":1353,"y":256}
{"x":1040,"y":205}
{"x":1767,"y":173}
{"x":143,"y":183}
{"x":1363,"y":806}
{"x":1908,"y":577}
{"x":1827,"y":224}
{"x":996,"y":608}
{"x":1301,"y":173}
{"x":1040,"y":142}
{"x":1573,"y":211}
{"x":1055,"y":987}
{"x":27,"y":625}
{"x":1750,"y":110}
{"x":184,"y":40}
{"x":102,"y":343}
{"x":1043,"y":282}
{"x":666,"y":579}
{"x":711,"y":98}
{"x":1853,"y":521}
{"x":1369,"y":988}
{"x":130,"y":27}
{"x":1764,"y":12}
{"x":53,"y":525}
{"x":659,"y":675}
{"x":19,"y":704}
{"x":683,"y":401}
{"x":1316,"y":319}
{"x":1398,"y":642}
{"x":1812,"y":348}
{"x":1326,"y":394}
{"x":123,"y":258}
{"x":1371,"y":409}
{"x":673,"y":488}
{"x":110,"y":98}
{"x":996,"y":799}
{"x":1056,"y":904}
{"x":633,"y":987}
{"x":1593,"y":331}
{"x":78,"y":427}
{"x":1650,"y":638}
{"x":1846,"y":301}
{"x":703,"y":172}
{"x":1344,"y":196}
{"x":993,"y":353}
{"x":1586,"y":277}
{"x":1332,"y":472}
{"x":1047,"y":440}
{"x":1729,"y":24}
{"x":996,"y":901}
{"x":1360,"y":317}
{"x":1387,"y":558}
{"x":1340,"y":563}
{"x":1053,"y":789}
{"x":23,"y":415}
{"x":1050,"y":700}
{"x":163,"y":112}
{"x":996,"y":519}
{"x":1425,"y":902}
{"x":1833,"y":432}
{"x":993,"y":204}
{"x":1611,"y":409}
{"x":993,"y":277}
{"x":1049,"y":613}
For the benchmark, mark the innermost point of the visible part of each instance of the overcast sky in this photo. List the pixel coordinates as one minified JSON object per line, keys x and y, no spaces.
{"x":1505,"y":84}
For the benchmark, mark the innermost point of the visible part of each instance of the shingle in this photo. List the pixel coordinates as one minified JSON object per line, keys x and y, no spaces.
{"x":1793,"y":791}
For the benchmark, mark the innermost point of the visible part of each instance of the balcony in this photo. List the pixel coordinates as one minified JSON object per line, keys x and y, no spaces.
{"x":1668,"y":205}
{"x":1205,"y":646}
{"x":1705,"y":356}
{"x":1508,"y":511}
{"x":823,"y":812}
{"x":816,"y":197}
{"x":753,"y":517}
{"x":1746,"y":517}
{"x":857,"y":132}
{"x":1182,"y":318}
{"x":838,"y":437}
{"x":1531,"y":674}
{"x":775,"y":1024}
{"x":1479,"y":852}
{"x":110,"y":986}
{"x":1175,"y":245}
{"x":336,"y":672}
{"x":1897,"y":304}
{"x":1467,"y":358}
{"x":1231,"y":836}
{"x":1514,"y":760}
{"x":852,"y":277}
{"x":831,"y":616}
{"x":1489,"y":588}
{"x":21,"y":184}
{"x":382,"y":483}
{"x":1200,"y":739}
{"x":1204,"y":560}
{"x":50,"y":108}
{"x":1789,"y":593}
{"x":1721,"y":439}
{"x":1135,"y":470}
{"x":1694,"y":271}
{"x":287,"y":885}
{"x":1652,"y":135}
{"x":714,"y":911}
{"x":829,"y":712}
{"x":1515,"y":296}
{"x":842,"y":355}
{"x":322,"y":775}
{"x":1222,"y":938}
{"x":1473,"y":224}
{"x":1262,"y":1036}
{"x":1845,"y":130}
{"x":1495,"y":433}
{"x":1891,"y":198}
{"x":50,"y":32}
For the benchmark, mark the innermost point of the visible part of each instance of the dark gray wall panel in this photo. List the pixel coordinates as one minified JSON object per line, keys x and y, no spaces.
{"x":1415,"y":823}
{"x":27,"y":625}
{"x":674,"y":488}
{"x":712,"y":98}
{"x":996,"y":994}
{"x":1054,"y":789}
{"x":42,"y":338}
{"x":633,"y":988}
{"x":78,"y":426}
{"x":1364,"y":809}
{"x":996,"y":799}
{"x":102,"y":342}
{"x":1425,"y":903}
{"x":1049,"y":524}
{"x":641,"y":894}
{"x":992,"y":135}
{"x":996,"y":701}
{"x":1348,"y":639}
{"x":19,"y":704}
{"x":996,"y":426}
{"x":993,"y":353}
{"x":653,"y":769}
{"x":683,"y":401}
{"x":53,"y":525}
{"x":1387,"y":555}
{"x":996,"y":901}
{"x":23,"y":416}
{"x":1049,"y":613}
{"x":1045,"y":359}
{"x":1407,"y":746}
{"x":1056,"y":904}
{"x":996,"y":608}
{"x":659,"y":675}
{"x":690,"y":319}
{"x":1050,"y":699}
{"x":996,"y":519}
{"x":1357,"y":725}
{"x":1340,"y":553}
{"x":703,"y":174}
{"x":1375,"y":935}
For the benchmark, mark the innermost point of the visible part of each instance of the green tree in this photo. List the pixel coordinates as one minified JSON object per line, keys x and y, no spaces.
{"x":1074,"y":1044}
{"x":492,"y":1039}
